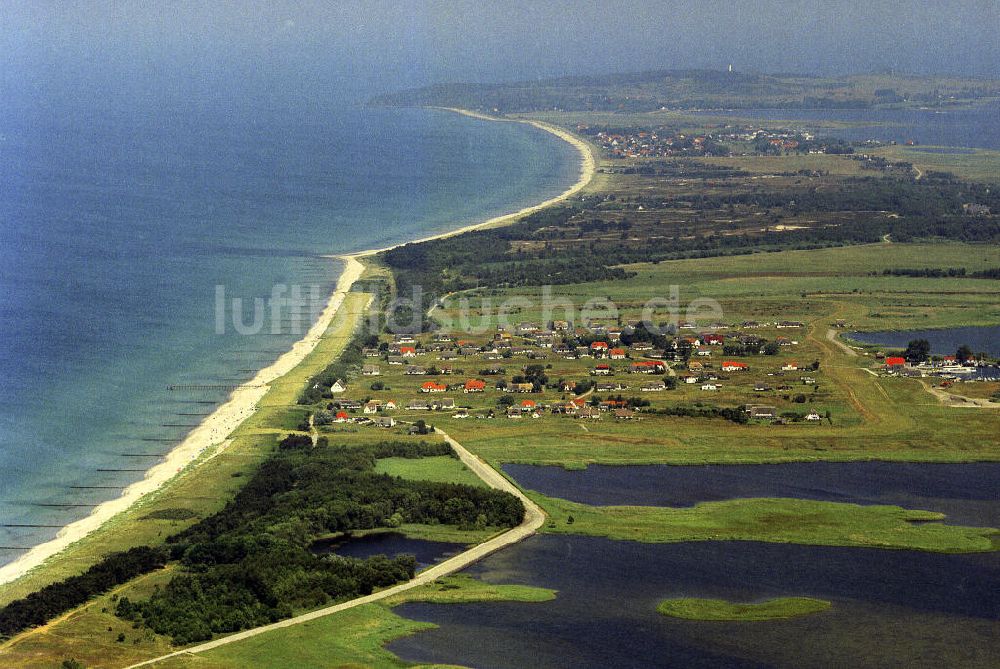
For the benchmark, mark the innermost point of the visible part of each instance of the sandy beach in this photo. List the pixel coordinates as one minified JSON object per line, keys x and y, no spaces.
{"x":216,"y":428}
{"x":587,"y":167}
{"x":211,"y":432}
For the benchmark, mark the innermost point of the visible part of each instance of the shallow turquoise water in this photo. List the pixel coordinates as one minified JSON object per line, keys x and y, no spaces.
{"x":116,"y":229}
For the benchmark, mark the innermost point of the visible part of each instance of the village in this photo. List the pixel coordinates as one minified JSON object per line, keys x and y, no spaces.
{"x":727,"y":139}
{"x":746,"y":372}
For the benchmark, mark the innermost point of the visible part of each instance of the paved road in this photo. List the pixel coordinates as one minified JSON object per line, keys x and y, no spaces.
{"x":533,"y":519}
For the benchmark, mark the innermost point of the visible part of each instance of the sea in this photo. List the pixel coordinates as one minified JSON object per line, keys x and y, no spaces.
{"x":121,"y":227}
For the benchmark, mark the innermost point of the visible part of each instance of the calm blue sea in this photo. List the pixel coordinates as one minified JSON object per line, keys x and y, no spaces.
{"x":116,"y":229}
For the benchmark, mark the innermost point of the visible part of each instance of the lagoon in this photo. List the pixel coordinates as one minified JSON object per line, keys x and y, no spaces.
{"x":890,"y":608}
{"x":944,"y":341}
{"x":975,"y":126}
{"x":966,"y":493}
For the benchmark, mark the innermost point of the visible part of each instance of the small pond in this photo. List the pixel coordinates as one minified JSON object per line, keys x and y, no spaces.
{"x":390,"y":544}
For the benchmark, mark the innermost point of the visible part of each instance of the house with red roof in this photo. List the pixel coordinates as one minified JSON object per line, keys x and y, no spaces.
{"x":474,"y":386}
{"x":647,"y":367}
{"x":617,"y":354}
{"x":894,"y":362}
{"x":601,"y":369}
{"x":733,"y":366}
{"x":433,"y":387}
{"x":408,"y":351}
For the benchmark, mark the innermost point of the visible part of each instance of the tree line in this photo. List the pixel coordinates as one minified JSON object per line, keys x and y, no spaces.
{"x":52,"y":600}
{"x":943,"y":272}
{"x":250,"y":563}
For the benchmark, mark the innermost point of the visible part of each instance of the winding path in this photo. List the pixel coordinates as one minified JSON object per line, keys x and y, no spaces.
{"x":533,"y":519}
{"x":958,"y":401}
{"x":831,"y":334}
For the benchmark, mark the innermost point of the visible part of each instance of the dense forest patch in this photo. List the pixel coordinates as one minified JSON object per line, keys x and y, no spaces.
{"x":250,"y":563}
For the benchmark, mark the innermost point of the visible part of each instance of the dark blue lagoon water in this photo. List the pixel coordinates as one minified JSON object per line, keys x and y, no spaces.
{"x":977,"y":126}
{"x":944,"y":341}
{"x":890,"y":608}
{"x":389,"y":544}
{"x":967,"y":493}
{"x":116,"y":228}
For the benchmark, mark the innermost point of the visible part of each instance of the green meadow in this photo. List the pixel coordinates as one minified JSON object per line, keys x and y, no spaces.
{"x":798,"y":521}
{"x":442,"y":469}
{"x":720,"y":609}
{"x":356,"y":637}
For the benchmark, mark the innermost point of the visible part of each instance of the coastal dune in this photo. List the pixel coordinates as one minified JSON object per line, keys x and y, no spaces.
{"x":216,"y":428}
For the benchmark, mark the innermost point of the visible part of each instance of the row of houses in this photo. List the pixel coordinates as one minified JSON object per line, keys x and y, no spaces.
{"x":469,"y":386}
{"x":502,"y":344}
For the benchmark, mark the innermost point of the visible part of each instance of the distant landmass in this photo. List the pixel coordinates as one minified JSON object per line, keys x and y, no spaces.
{"x":699,"y":89}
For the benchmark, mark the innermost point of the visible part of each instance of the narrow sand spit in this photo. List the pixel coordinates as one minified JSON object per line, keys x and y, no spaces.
{"x":216,"y":428}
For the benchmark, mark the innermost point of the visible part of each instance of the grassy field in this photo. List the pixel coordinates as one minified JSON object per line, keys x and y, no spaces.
{"x":871,"y":417}
{"x":797,"y":521}
{"x":720,"y":609}
{"x":830,"y":164}
{"x":443,"y":469}
{"x":973,"y":164}
{"x":788,"y":284}
{"x":356,"y":637}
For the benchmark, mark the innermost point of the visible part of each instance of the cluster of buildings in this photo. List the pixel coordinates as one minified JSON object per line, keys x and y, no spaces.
{"x":446,"y":366}
{"x":946,"y":367}
{"x":664,"y":142}
{"x":657,"y":143}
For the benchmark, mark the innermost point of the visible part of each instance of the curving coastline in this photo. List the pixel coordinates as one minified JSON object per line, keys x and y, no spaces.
{"x":215,"y":429}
